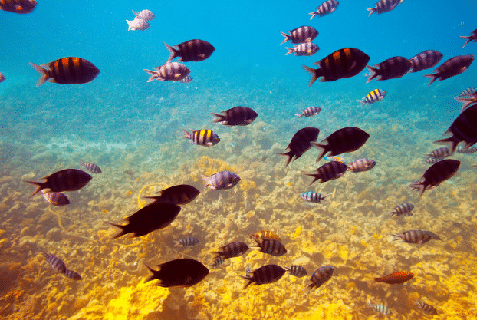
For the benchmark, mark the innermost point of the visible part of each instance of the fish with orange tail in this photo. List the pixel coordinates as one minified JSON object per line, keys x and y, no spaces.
{"x":264,"y":234}
{"x":396,"y":277}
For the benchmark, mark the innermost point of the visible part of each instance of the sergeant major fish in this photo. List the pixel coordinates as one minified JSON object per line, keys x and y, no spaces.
{"x":415,"y":236}
{"x":59,"y":266}
{"x":451,"y":67}
{"x":472,"y":37}
{"x":63,"y":180}
{"x":56,"y":198}
{"x":320,"y":276}
{"x":300,"y":35}
{"x":171,"y":71}
{"x":303,"y":49}
{"x":436,"y":174}
{"x":329,"y":171}
{"x":264,"y":275}
{"x":361,"y":165}
{"x":344,"y":140}
{"x":384,"y":6}
{"x":325,"y":8}
{"x":272,"y":247}
{"x":232,"y":249}
{"x":205,"y":138}
{"x":297,"y":271}
{"x":91,"y":167}
{"x":394,"y":67}
{"x":222,"y":180}
{"x":404,"y":209}
{"x":188,"y":242}
{"x":313,"y":197}
{"x":374,"y":96}
{"x":425,"y":60}
{"x":236,"y":116}
{"x":467,"y":97}
{"x":309,"y":112}
{"x":145,"y":15}
{"x":300,"y":143}
{"x":192,"y":50}
{"x":138,"y":24}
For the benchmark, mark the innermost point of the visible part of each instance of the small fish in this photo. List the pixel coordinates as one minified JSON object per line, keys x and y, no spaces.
{"x":384,"y":6}
{"x":396,"y":277}
{"x":18,"y":6}
{"x":218,"y":261}
{"x":180,"y":194}
{"x":313,"y":197}
{"x":72,"y":274}
{"x":248,"y":271}
{"x":427,"y":308}
{"x":472,"y":37}
{"x":179,"y":272}
{"x":381,"y":308}
{"x":464,"y":149}
{"x":442,"y":153}
{"x":467,"y":97}
{"x":320,"y":276}
{"x":309,"y":112}
{"x":2,"y":77}
{"x":303,"y":49}
{"x":145,"y":15}
{"x":344,"y":140}
{"x":339,"y":159}
{"x":374,"y":96}
{"x":187,"y":79}
{"x":188,"y":242}
{"x":266,"y":274}
{"x":56,"y":263}
{"x":297,"y":271}
{"x":436,"y":174}
{"x":272,"y":247}
{"x":91,"y":167}
{"x":392,"y":68}
{"x":432,"y":160}
{"x":192,"y":50}
{"x":361,"y":165}
{"x":56,"y":198}
{"x":451,"y":68}
{"x":171,"y":71}
{"x":137,"y":24}
{"x":233,"y":249}
{"x":464,"y":128}
{"x":425,"y":60}
{"x":300,"y":143}
{"x":205,"y":138}
{"x":329,"y":171}
{"x":404,"y":209}
{"x":236,"y":116}
{"x":264,"y":234}
{"x":66,"y":71}
{"x":222,"y":180}
{"x":415,"y":236}
{"x":300,"y":35}
{"x":63,"y":180}
{"x":325,"y":8}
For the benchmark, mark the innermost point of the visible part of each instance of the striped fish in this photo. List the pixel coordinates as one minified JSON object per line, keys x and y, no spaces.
{"x":427,"y":308}
{"x":272,"y":247}
{"x":304,"y":49}
{"x":233,"y":249}
{"x":320,"y":276}
{"x":188,"y":242}
{"x":384,"y":6}
{"x":381,"y":308}
{"x":63,"y":180}
{"x":236,"y":116}
{"x":361,"y":165}
{"x":374,"y":96}
{"x":171,"y":71}
{"x":309,"y":112}
{"x":325,"y":8}
{"x":442,"y":153}
{"x":467,"y":97}
{"x":192,"y":50}
{"x":55,"y":198}
{"x":72,"y":274}
{"x":313,"y":197}
{"x":218,"y":261}
{"x":66,"y":71}
{"x":263,"y":275}
{"x":206,"y":138}
{"x":472,"y":37}
{"x":464,"y":149}
{"x":56,"y":263}
{"x":264,"y":234}
{"x":297,"y":271}
{"x":329,"y":171}
{"x":451,"y":68}
{"x":18,"y":6}
{"x":425,"y":60}
{"x":187,"y":79}
{"x":416,"y":236}
{"x":391,"y":68}
{"x":145,"y":15}
{"x":300,"y":35}
{"x":432,"y":160}
{"x":404,"y":209}
{"x":91,"y":167}
{"x":222,"y":180}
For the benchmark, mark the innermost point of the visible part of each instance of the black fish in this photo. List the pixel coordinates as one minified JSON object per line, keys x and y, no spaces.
{"x":156,"y":215}
{"x":464,"y":128}
{"x":18,"y":6}
{"x":451,"y":67}
{"x":236,"y":116}
{"x":63,"y":180}
{"x":180,"y":194}
{"x":391,"y":68}
{"x":179,"y":272}
{"x":384,"y":6}
{"x":171,"y":71}
{"x":272,"y":247}
{"x":91,"y":167}
{"x":300,"y":143}
{"x":472,"y":37}
{"x":300,"y":35}
{"x":233,"y":249}
{"x":320,"y":276}
{"x":436,"y":174}
{"x":344,"y":140}
{"x":192,"y":50}
{"x":265,"y":274}
{"x":67,"y":71}
{"x":72,"y":274}
{"x":325,"y":8}
{"x":343,"y":63}
{"x":329,"y":171}
{"x":425,"y":60}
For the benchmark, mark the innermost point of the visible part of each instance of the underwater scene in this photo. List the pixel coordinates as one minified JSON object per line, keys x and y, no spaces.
{"x":238,"y":160}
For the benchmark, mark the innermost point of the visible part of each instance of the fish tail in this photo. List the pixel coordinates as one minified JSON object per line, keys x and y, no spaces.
{"x":373,"y":74}
{"x":206,"y":180}
{"x":123,"y":230}
{"x":286,"y":37}
{"x":43,"y":74}
{"x":289,"y":157}
{"x":298,"y":115}
{"x":323,"y":151}
{"x":396,"y":237}
{"x":290,"y":51}
{"x":315,"y":177}
{"x":153,"y":74}
{"x":451,"y":142}
{"x":314,"y":74}
{"x":39,"y":184}
{"x":371,"y":11}
{"x":172,"y":51}
{"x":433,"y":78}
{"x":187,"y":134}
{"x":249,"y":281}
{"x":312,"y":14}
{"x":218,"y":117}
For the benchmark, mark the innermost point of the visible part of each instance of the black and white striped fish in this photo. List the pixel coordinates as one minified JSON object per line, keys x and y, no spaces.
{"x":218,"y":261}
{"x":361,"y":165}
{"x":72,"y":274}
{"x":320,"y":276}
{"x":467,"y":97}
{"x":374,"y":96}
{"x":59,"y":266}
{"x":222,"y":180}
{"x":171,"y":71}
{"x":272,"y":247}
{"x":297,"y":271}
{"x":300,"y":35}
{"x":427,"y":308}
{"x":432,"y":160}
{"x":206,"y":138}
{"x":425,"y":60}
{"x":416,"y":236}
{"x":325,"y":8}
{"x":55,"y":198}
{"x":313,"y":197}
{"x":304,"y":49}
{"x":404,"y":209}
{"x":381,"y":308}
{"x":442,"y":153}
{"x":384,"y":6}
{"x":309,"y":112}
{"x":329,"y":171}
{"x":233,"y":249}
{"x":188,"y":242}
{"x":91,"y":167}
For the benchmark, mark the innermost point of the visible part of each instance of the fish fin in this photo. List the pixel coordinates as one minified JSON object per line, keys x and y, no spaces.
{"x":298,"y":115}
{"x":153,"y":75}
{"x":123,"y":230}
{"x":218,"y":117}
{"x":39,"y":184}
{"x":314,"y":74}
{"x":290,"y":51}
{"x":451,"y":143}
{"x":312,"y":14}
{"x":43,"y":74}
{"x":186,"y":134}
{"x":371,"y":11}
{"x":286,"y":37}
{"x":433,"y":78}
{"x":315,"y":177}
{"x":206,"y":180}
{"x":320,"y":146}
{"x":287,"y":154}
{"x":373,"y":74}
{"x":150,"y":277}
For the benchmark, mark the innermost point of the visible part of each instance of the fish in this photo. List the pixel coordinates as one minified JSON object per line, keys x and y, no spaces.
{"x":180,"y":194}
{"x":404,"y":209}
{"x":248,"y":271}
{"x":451,"y":67}
{"x":263,"y":275}
{"x":187,"y":79}
{"x":464,"y":128}
{"x":384,"y":6}
{"x":344,"y":140}
{"x":309,"y":112}
{"x":303,"y":49}
{"x":59,"y":266}
{"x":415,"y":236}
{"x":300,"y":143}
{"x":2,"y":77}
{"x":236,"y":116}
{"x":432,"y":160}
{"x":329,"y":171}
{"x":145,"y":15}
{"x":374,"y":96}
{"x":381,"y":308}
{"x":425,"y":60}
{"x":154,"y":216}
{"x":188,"y":242}
{"x":205,"y":138}
{"x":170,"y":71}
{"x":66,"y":71}
{"x":56,"y":198}
{"x":91,"y":167}
{"x":320,"y":276}
{"x":18,"y":6}
{"x":391,"y":68}
{"x":472,"y":37}
{"x":72,"y":274}
{"x":218,"y":261}
{"x":223,"y":180}
{"x":264,"y":234}
{"x":63,"y":180}
{"x":232,"y":249}
{"x":340,"y":159}
{"x":179,"y":272}
{"x":396,"y":277}
{"x":300,"y":35}
{"x":313,"y":197}
{"x":467,"y":97}
{"x":442,"y":153}
{"x":138,"y":24}
{"x":343,"y":63}
{"x":463,"y":149}
{"x":271,"y":246}
{"x":436,"y":174}
{"x":297,"y":271}
{"x":192,"y":50}
{"x":325,"y":8}
{"x":427,"y":308}
{"x":361,"y":165}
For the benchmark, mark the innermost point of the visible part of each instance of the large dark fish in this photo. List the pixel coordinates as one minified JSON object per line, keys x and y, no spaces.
{"x":416,"y":236}
{"x":343,"y":63}
{"x":344,"y":140}
{"x":329,"y":171}
{"x":179,"y":272}
{"x":436,"y":174}
{"x":236,"y":116}
{"x":425,"y":60}
{"x":180,"y":194}
{"x":384,"y":6}
{"x":18,"y":6}
{"x":325,"y":8}
{"x":391,"y":68}
{"x":300,"y":35}
{"x":300,"y":143}
{"x":154,"y":216}
{"x":451,"y":67}
{"x":264,"y":275}
{"x":396,"y":277}
{"x":192,"y":50}
{"x":66,"y":71}
{"x":233,"y":249}
{"x":171,"y":71}
{"x":472,"y":37}
{"x":320,"y":276}
{"x":63,"y":180}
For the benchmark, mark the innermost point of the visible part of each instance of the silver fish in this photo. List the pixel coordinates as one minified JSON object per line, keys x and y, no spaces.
{"x":55,"y":198}
{"x":138,"y":24}
{"x":381,"y":308}
{"x":309,"y":112}
{"x":222,"y":180}
{"x":304,"y":49}
{"x":416,"y":236}
{"x":171,"y":71}
{"x":91,"y":167}
{"x":427,"y":308}
{"x":188,"y":242}
{"x":404,"y":209}
{"x":361,"y":165}
{"x":325,"y":8}
{"x":297,"y":271}
{"x":145,"y":15}
{"x":320,"y":276}
{"x":313,"y":197}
